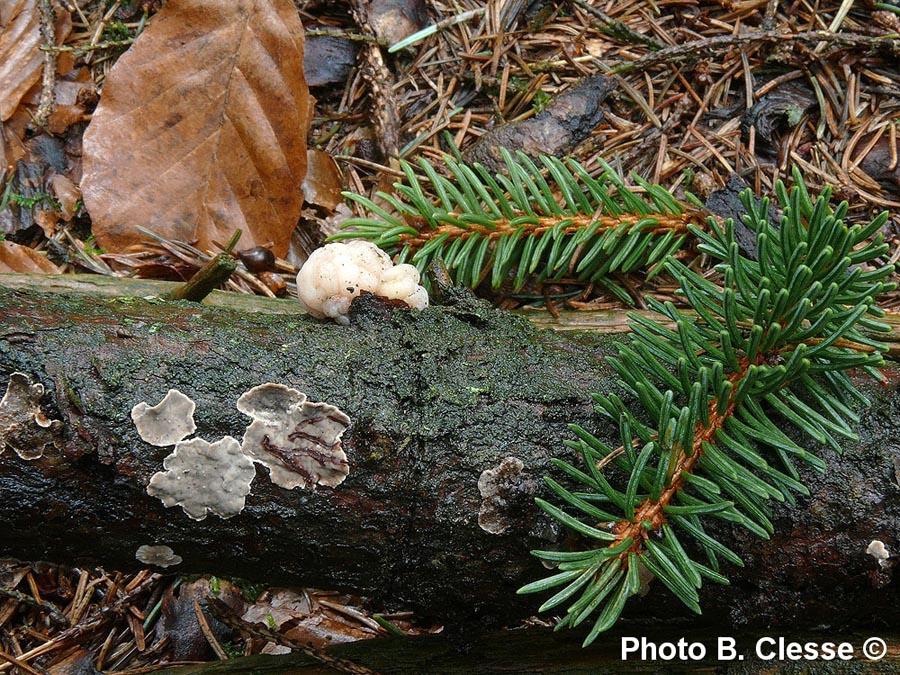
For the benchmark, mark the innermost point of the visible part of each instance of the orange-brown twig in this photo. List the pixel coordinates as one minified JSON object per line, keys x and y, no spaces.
{"x":665,"y":223}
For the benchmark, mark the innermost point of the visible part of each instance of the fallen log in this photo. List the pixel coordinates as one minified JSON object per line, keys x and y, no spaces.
{"x":435,"y":400}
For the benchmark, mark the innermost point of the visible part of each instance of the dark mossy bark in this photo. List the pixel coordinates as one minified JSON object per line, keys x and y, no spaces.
{"x":435,"y":399}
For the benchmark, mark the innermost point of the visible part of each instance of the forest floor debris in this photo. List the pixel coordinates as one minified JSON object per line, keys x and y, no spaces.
{"x":700,"y":91}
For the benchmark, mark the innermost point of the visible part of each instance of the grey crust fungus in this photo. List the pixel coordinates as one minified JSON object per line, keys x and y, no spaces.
{"x":201,"y":476}
{"x":159,"y":556}
{"x":23,"y":427}
{"x":297,"y":441}
{"x":166,"y":423}
{"x":502,"y":489}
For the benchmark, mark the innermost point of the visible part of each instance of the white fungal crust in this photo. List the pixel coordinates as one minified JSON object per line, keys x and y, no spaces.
{"x":159,"y":556}
{"x":23,"y":426}
{"x":166,"y":423}
{"x":297,"y":441}
{"x":202,"y":476}
{"x":336,"y":273}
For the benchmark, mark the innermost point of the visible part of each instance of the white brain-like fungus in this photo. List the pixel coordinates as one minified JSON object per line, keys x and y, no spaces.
{"x":166,"y":423}
{"x":336,"y":273}
{"x":201,"y":476}
{"x":879,"y":551}
{"x":297,"y":441}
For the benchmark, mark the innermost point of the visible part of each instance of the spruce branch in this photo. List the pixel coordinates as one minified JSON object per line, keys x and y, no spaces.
{"x":542,"y":221}
{"x":771,"y":346}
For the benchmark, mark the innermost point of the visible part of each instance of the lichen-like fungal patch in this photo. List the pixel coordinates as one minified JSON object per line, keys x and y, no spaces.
{"x":23,"y":426}
{"x":166,"y":423}
{"x":501,"y":489}
{"x":159,"y":556}
{"x":201,"y":476}
{"x":297,"y":441}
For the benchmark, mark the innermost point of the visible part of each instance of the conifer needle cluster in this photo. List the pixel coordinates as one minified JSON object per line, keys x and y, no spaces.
{"x":536,"y":222}
{"x":711,"y":396}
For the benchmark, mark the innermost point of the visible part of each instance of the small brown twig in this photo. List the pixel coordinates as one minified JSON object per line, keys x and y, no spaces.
{"x":618,"y":29}
{"x":697,"y":48}
{"x":207,"y":632}
{"x":101,"y":26}
{"x":502,"y":227}
{"x":380,"y":80}
{"x":48,"y":79}
{"x":216,"y":271}
{"x":18,"y":663}
{"x":88,"y":48}
{"x":55,"y":615}
{"x":345,"y":35}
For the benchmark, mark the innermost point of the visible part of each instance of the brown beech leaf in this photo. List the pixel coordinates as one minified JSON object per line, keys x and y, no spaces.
{"x":201,"y":128}
{"x":23,"y":260}
{"x":14,"y":138}
{"x":71,"y":94}
{"x":66,"y":193}
{"x":323,"y":183}
{"x":20,"y":37}
{"x":21,"y":59}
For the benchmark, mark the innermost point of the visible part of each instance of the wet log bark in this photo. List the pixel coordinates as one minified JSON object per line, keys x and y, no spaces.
{"x":435,"y":400}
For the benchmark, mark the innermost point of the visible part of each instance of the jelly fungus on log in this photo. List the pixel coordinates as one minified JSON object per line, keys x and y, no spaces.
{"x":166,"y":423}
{"x":201,"y":476}
{"x":297,"y":441}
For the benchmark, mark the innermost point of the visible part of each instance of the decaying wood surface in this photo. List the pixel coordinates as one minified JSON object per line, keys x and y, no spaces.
{"x":435,"y":400}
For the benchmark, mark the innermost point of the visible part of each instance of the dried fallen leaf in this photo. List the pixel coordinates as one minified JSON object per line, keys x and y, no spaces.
{"x":328,"y":60}
{"x":19,"y":40}
{"x":62,"y":207}
{"x":32,"y":201}
{"x":79,"y":662}
{"x":70,"y":94}
{"x":5,"y":155}
{"x":201,"y":128}
{"x":21,"y":59}
{"x":18,"y":259}
{"x":303,"y":617}
{"x":67,"y":194}
{"x":13,"y":140}
{"x":179,"y":621}
{"x":393,"y":20}
{"x":276,"y":606}
{"x":323,"y":183}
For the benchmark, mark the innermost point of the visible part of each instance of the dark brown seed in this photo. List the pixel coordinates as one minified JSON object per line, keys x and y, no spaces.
{"x":257,"y":259}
